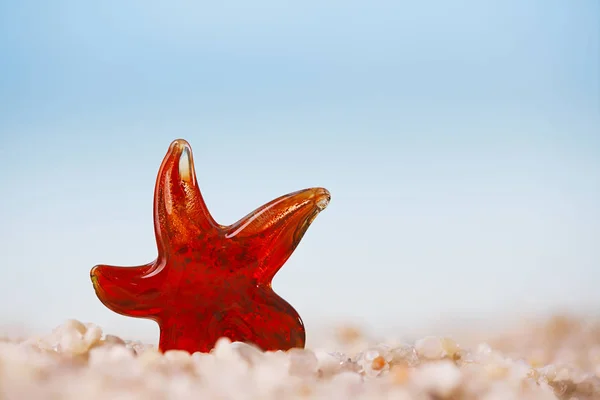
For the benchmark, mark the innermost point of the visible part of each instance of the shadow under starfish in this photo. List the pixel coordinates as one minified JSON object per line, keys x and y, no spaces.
{"x":211,"y":281}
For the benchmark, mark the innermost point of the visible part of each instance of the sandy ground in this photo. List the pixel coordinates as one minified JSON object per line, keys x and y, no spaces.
{"x":558,"y":358}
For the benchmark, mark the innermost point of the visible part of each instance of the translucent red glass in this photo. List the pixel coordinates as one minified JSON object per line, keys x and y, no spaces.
{"x":209,"y":280}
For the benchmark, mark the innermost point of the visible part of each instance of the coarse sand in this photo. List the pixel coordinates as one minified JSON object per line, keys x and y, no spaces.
{"x":558,"y":358}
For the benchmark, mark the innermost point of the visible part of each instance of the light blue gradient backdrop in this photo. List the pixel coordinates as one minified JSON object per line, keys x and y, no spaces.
{"x":460,"y":141}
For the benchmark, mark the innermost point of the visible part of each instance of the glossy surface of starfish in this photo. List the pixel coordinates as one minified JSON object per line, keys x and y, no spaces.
{"x":211,"y":281}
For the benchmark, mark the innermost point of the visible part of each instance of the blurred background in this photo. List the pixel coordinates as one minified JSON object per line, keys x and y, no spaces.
{"x":460,"y":141}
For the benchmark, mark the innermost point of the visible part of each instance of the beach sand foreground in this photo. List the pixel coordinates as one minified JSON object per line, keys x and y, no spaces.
{"x":558,"y":358}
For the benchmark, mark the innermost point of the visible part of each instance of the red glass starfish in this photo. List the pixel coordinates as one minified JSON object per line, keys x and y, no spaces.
{"x":211,"y":281}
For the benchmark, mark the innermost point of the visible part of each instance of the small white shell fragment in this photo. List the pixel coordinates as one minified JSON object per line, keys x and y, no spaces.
{"x":178,"y":357}
{"x":92,"y":335}
{"x":440,"y":378}
{"x":328,"y":363}
{"x":430,"y":347}
{"x":247,"y":352}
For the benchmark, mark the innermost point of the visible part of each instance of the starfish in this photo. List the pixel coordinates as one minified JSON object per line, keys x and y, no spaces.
{"x":209,"y":280}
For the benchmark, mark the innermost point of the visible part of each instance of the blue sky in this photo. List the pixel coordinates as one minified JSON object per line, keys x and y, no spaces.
{"x":460,"y":141}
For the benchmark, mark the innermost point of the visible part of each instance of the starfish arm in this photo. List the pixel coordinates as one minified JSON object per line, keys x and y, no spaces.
{"x":180,"y":213}
{"x":267,"y":236}
{"x":130,"y":291}
{"x":261,"y":318}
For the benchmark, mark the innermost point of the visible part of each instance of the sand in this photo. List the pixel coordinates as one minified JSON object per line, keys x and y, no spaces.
{"x":556,"y":359}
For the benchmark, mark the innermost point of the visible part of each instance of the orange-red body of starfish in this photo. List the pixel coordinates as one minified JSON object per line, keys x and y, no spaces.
{"x":211,"y":281}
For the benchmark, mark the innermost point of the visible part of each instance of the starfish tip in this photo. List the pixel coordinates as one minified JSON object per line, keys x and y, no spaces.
{"x":180,"y":143}
{"x":322,"y":198}
{"x":94,"y":274}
